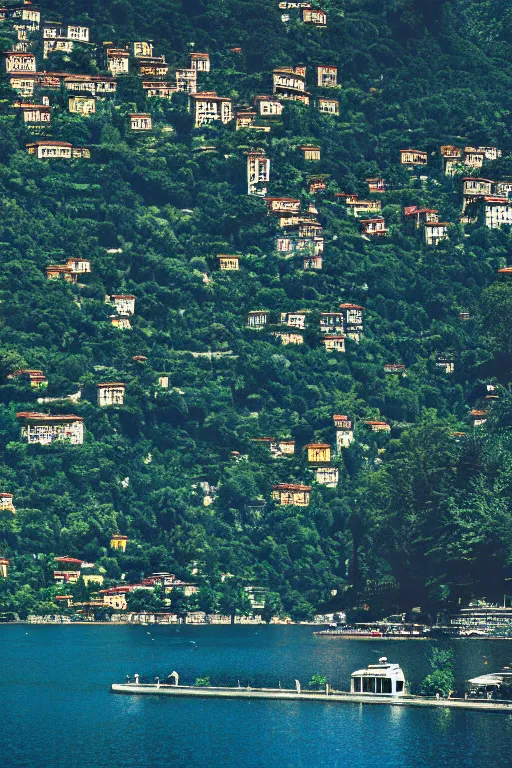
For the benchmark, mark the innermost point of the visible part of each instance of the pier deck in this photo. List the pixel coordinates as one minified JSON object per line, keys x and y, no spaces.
{"x":334,"y":697}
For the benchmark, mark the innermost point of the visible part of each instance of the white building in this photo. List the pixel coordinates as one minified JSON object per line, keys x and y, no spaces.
{"x":208,"y":107}
{"x":111,"y":393}
{"x":258,"y":173}
{"x":124,"y":303}
{"x":140,"y":122}
{"x":44,"y":428}
{"x":379,"y":679}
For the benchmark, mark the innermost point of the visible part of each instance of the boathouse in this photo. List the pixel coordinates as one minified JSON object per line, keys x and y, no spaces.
{"x":381,"y":679}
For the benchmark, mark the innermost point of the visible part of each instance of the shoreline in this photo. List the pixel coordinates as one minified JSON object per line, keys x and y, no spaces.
{"x":147,"y":624}
{"x":333,"y":697}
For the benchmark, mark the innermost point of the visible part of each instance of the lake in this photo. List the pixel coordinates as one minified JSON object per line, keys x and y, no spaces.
{"x":57,"y":712}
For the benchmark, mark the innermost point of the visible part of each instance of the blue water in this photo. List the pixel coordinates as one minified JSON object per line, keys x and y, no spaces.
{"x":56,"y":710}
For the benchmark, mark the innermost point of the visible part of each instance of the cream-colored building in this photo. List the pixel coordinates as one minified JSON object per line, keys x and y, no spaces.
{"x":229,"y":263}
{"x":140,"y":122}
{"x":111,"y":393}
{"x":328,"y":106}
{"x":34,"y":113}
{"x":268,"y":106}
{"x":258,"y":319}
{"x":142,"y":48}
{"x":118,"y":61}
{"x":318,"y":453}
{"x":311,"y":153}
{"x":4,"y":567}
{"x":200,"y":62}
{"x":208,"y":107}
{"x":328,"y":476}
{"x":20,"y":61}
{"x":44,"y":428}
{"x":314,"y":16}
{"x":326,"y":76}
{"x":435,"y":232}
{"x":47,"y":149}
{"x":344,"y":431}
{"x":334,"y":343}
{"x":82,"y":105}
{"x":291,"y":494}
{"x":186,"y":80}
{"x":413,"y":157}
{"x":124,"y":303}
{"x":7,"y":503}
{"x":122,"y":322}
{"x":258,"y":173}
{"x":288,"y":338}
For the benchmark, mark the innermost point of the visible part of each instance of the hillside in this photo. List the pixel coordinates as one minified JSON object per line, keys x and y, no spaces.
{"x":420,"y":515}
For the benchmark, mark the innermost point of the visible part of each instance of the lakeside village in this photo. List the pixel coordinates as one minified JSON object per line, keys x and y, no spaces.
{"x":80,"y":591}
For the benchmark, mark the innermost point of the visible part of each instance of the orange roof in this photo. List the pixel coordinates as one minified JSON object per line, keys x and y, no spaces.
{"x":350,"y":306}
{"x":32,"y":415}
{"x":291,"y":487}
{"x":317,"y":445}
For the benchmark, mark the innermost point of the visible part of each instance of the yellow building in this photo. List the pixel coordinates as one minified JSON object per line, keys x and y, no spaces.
{"x":228,"y":263}
{"x":291,"y":494}
{"x":318,"y":453}
{"x":119,"y":542}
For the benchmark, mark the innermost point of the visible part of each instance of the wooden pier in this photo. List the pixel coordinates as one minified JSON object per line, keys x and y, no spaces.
{"x":290,"y":694}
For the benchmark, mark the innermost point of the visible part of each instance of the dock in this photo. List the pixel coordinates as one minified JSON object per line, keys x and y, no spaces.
{"x":291,"y":694}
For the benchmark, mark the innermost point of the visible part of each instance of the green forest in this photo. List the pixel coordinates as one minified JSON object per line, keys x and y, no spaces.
{"x":421,"y":516}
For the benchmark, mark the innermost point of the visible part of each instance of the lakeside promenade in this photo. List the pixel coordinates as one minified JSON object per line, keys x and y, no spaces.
{"x":281,"y":694}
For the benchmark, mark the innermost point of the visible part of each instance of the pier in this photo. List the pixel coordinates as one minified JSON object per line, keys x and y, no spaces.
{"x":291,"y":694}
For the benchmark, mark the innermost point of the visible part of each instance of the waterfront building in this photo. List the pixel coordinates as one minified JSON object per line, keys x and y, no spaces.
{"x":483,"y":616}
{"x":291,"y":494}
{"x":43,"y":428}
{"x":379,"y":679}
{"x":118,"y":542}
{"x":110,"y":393}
